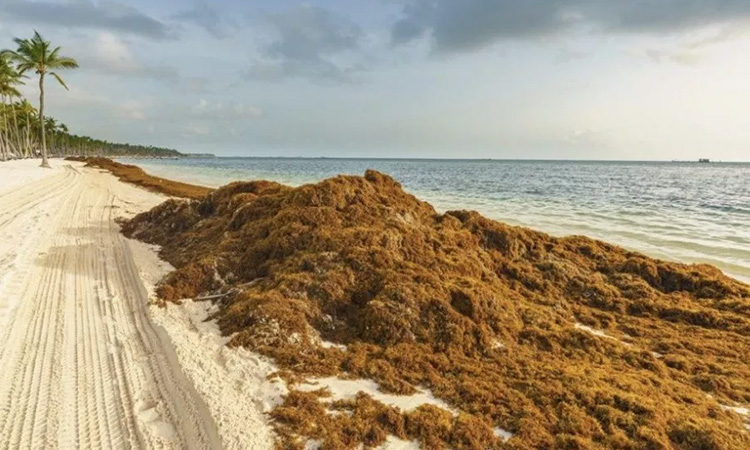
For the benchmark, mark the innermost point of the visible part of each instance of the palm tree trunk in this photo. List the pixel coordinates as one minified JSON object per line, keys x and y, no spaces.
{"x":27,"y":150}
{"x":53,"y":143}
{"x":6,"y":132}
{"x":3,"y":148}
{"x":19,"y":142}
{"x":3,"y":151}
{"x":45,"y":162}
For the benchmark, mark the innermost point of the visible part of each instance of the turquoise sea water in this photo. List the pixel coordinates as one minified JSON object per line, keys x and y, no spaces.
{"x":687,"y":212}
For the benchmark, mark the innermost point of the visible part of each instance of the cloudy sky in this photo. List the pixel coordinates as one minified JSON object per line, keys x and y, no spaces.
{"x":567,"y":79}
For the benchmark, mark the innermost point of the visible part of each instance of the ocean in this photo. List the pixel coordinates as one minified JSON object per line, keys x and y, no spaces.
{"x":686,"y":212}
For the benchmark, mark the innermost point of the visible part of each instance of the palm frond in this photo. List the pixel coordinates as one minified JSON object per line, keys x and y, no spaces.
{"x":62,"y":62}
{"x":59,"y":80}
{"x":53,"y":54}
{"x":10,"y":91}
{"x":21,"y":58}
{"x":34,"y":55}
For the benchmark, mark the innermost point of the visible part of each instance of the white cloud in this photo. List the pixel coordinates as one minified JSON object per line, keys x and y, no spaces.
{"x":206,"y":109}
{"x":217,"y":23}
{"x":114,"y":52}
{"x":134,"y":109}
{"x":112,"y":55}
{"x":469,"y":25}
{"x":510,"y":97}
{"x":58,"y":96}
{"x":310,"y":42}
{"x":692,"y":49}
{"x":196,"y":85}
{"x":661,"y":55}
{"x":196,"y":129}
{"x":109,"y":15}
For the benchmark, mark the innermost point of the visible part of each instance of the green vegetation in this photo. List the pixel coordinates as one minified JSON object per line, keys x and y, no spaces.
{"x":25,"y":131}
{"x":36,"y":55}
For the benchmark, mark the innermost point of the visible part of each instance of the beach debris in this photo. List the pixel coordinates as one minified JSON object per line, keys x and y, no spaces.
{"x":487,"y":317}
{"x":135,"y":175}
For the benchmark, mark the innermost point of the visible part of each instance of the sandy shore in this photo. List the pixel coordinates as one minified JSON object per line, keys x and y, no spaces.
{"x":87,"y":361}
{"x":82,"y":363}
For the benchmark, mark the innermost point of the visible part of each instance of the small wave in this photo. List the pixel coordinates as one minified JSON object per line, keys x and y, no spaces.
{"x":664,"y":210}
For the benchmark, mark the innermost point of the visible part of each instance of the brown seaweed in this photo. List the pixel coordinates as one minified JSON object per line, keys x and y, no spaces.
{"x":481,"y":313}
{"x":135,"y":175}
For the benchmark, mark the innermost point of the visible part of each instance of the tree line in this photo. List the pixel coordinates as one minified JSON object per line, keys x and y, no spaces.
{"x":25,"y":131}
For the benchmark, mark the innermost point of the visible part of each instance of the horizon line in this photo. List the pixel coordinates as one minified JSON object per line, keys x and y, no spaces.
{"x":696,"y":161}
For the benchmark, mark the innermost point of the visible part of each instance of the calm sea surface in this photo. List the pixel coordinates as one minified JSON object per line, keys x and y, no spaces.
{"x":687,"y":212}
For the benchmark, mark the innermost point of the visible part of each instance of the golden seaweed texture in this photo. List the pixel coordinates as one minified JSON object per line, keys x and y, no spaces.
{"x":568,"y":343}
{"x":135,"y":175}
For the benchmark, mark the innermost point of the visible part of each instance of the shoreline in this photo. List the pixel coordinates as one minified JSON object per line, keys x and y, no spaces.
{"x":182,"y":378}
{"x":79,"y":337}
{"x":331,"y":280}
{"x":136,"y":176}
{"x":187,"y":345}
{"x":653,"y":245}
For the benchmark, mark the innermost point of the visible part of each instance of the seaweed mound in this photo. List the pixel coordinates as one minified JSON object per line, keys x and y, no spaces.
{"x":568,"y":343}
{"x":135,"y":175}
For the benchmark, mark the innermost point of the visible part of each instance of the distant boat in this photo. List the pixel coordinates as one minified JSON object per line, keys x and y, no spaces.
{"x":704,"y":160}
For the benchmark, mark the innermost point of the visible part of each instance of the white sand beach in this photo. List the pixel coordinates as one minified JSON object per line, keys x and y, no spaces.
{"x":87,"y":361}
{"x":82,"y":365}
{"x":360,"y":246}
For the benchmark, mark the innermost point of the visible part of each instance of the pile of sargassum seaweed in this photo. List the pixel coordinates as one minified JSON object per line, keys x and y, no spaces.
{"x":568,"y":343}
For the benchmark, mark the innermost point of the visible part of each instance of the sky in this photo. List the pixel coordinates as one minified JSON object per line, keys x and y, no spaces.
{"x":531,"y":79}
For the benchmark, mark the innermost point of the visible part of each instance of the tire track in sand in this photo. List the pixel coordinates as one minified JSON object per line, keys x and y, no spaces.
{"x":81,"y":364}
{"x":24,"y":212}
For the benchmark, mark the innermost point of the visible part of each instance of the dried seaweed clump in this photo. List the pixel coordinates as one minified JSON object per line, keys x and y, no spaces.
{"x":568,"y":343}
{"x":135,"y":175}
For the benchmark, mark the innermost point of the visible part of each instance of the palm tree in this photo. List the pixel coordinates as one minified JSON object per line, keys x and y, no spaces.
{"x":50,"y":126}
{"x":36,"y":54}
{"x":27,"y":112}
{"x":64,"y":133}
{"x":9,"y":79}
